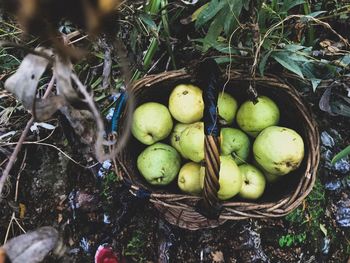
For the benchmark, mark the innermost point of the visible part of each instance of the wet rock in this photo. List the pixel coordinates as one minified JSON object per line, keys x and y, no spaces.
{"x":334,"y":185}
{"x":343,"y":213}
{"x":166,"y":239}
{"x":251,"y":245}
{"x":342,"y":166}
{"x":84,"y":201}
{"x":104,"y":169}
{"x":325,"y":245}
{"x":50,"y":179}
{"x":109,"y":115}
{"x":327,"y":140}
{"x":85,"y":245}
{"x":106,"y":219}
{"x":338,"y":184}
{"x":326,"y":156}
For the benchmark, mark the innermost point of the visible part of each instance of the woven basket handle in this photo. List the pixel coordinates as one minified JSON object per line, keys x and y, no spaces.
{"x":209,"y":75}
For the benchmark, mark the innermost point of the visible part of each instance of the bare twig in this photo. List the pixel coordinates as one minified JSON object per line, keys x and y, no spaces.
{"x":13,"y":216}
{"x":56,"y":148}
{"x":18,"y":147}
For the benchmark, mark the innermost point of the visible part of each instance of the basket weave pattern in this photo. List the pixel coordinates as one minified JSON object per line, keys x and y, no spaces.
{"x":181,"y":209}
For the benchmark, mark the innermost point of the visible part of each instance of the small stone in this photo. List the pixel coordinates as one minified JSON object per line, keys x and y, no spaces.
{"x":327,"y":156}
{"x":327,"y":140}
{"x":343,"y":213}
{"x":342,"y":166}
{"x":333,"y":185}
{"x":109,"y":115}
{"x":325,"y":245}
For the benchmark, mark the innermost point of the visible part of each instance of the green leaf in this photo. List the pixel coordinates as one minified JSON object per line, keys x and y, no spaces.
{"x":290,"y":240}
{"x":315,"y":83}
{"x":147,"y":19}
{"x":344,"y":153}
{"x":223,"y":60}
{"x":282,"y":241}
{"x":263,"y":62}
{"x":284,"y":59}
{"x":198,"y":11}
{"x":234,"y":10}
{"x":324,"y":230}
{"x":315,"y":14}
{"x":289,"y":4}
{"x":293,"y":48}
{"x":246,"y":4}
{"x":208,"y":13}
{"x":215,"y":29}
{"x":344,"y":61}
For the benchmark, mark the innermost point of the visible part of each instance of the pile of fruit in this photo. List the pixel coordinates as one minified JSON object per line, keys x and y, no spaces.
{"x":254,"y":150}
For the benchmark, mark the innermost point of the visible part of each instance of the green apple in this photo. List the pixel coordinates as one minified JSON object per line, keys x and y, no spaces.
{"x":230,"y":178}
{"x":159,"y":164}
{"x":192,"y":142}
{"x":186,"y":103}
{"x":253,"y":118}
{"x":175,"y":137}
{"x":151,"y":123}
{"x":190,"y":178}
{"x":278,"y":150}
{"x":227,"y":108}
{"x":235,"y":143}
{"x":270,"y":178}
{"x":254,"y":182}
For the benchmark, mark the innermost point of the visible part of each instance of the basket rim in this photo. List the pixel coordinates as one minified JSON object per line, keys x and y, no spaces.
{"x":236,"y":210}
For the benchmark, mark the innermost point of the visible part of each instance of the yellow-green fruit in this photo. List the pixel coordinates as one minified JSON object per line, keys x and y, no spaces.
{"x":270,"y":178}
{"x":234,"y":143}
{"x":254,"y":182}
{"x":190,"y":178}
{"x":230,"y":178}
{"x":227,"y":108}
{"x":253,"y":118}
{"x":151,"y":123}
{"x":192,"y":142}
{"x":278,"y":150}
{"x":186,"y":103}
{"x":175,"y":137}
{"x":159,"y":164}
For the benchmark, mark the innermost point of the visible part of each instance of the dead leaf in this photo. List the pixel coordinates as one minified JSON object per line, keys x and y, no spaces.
{"x":324,"y":103}
{"x":32,"y":247}
{"x":325,"y":43}
{"x":63,"y":69}
{"x":44,"y":109}
{"x":218,"y":257}
{"x":22,"y":210}
{"x":23,"y":84}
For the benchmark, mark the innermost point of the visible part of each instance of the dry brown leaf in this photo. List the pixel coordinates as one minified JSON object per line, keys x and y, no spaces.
{"x":44,"y":109}
{"x":63,"y":69}
{"x":325,"y":43}
{"x":23,"y":84}
{"x":22,"y":210}
{"x":218,"y":257}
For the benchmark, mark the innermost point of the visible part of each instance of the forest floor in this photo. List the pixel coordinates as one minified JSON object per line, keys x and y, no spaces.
{"x":90,"y":207}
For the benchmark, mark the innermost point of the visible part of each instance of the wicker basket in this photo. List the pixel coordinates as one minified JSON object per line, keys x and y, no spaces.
{"x":183,"y":210}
